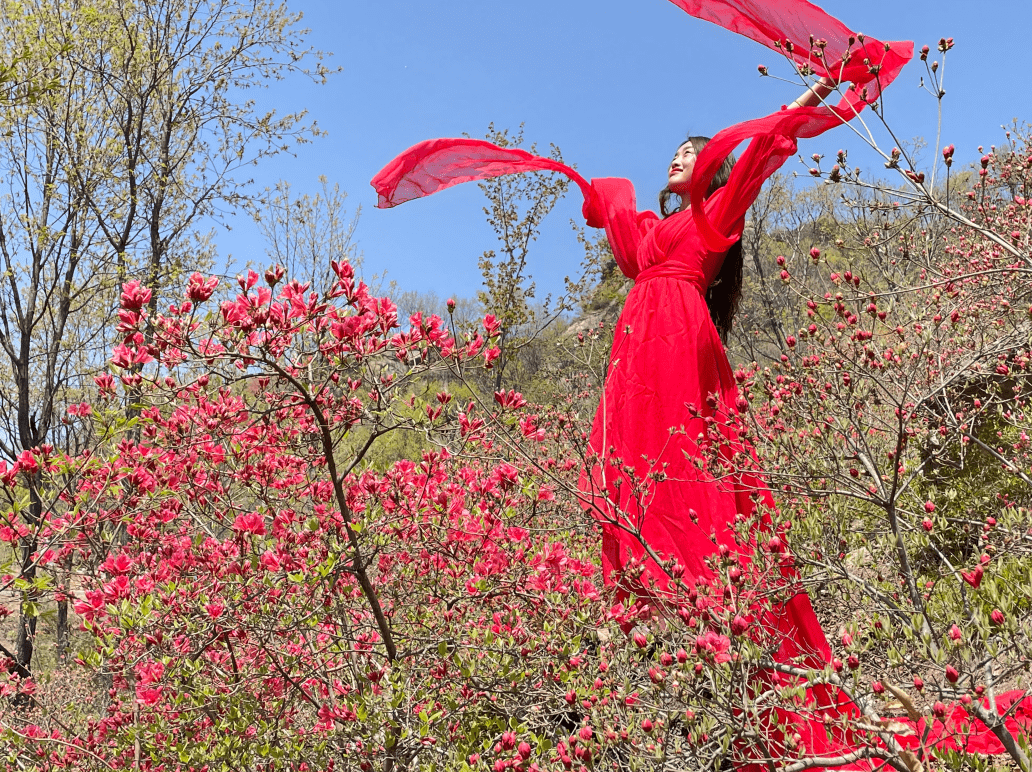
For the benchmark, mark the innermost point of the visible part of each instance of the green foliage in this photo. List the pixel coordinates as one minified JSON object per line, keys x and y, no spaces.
{"x":518,"y":207}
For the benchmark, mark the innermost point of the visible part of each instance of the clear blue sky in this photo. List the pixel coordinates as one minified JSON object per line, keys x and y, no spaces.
{"x":615,"y":84}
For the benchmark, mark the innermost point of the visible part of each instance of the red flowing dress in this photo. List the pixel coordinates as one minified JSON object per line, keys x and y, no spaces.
{"x":668,"y":372}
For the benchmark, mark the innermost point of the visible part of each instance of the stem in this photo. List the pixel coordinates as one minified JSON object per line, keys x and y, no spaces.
{"x":999,"y":729}
{"x":345,"y":511}
{"x":864,"y":705}
{"x":834,"y":761}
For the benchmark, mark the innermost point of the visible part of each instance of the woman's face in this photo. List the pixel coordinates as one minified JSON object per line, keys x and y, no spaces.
{"x":680,"y":172}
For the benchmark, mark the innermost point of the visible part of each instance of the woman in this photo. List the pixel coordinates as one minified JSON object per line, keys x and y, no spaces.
{"x":669,"y":374}
{"x":668,"y":368}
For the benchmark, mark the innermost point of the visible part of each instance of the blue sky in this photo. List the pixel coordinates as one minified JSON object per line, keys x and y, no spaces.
{"x":616,"y":85}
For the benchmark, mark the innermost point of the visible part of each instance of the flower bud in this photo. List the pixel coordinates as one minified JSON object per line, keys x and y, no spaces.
{"x":274,"y":274}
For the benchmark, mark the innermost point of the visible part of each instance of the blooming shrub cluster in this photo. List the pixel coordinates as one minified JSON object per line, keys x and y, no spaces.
{"x":259,"y":585}
{"x":254,"y":593}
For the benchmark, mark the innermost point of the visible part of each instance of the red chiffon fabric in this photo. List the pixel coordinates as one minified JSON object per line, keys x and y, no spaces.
{"x":436,"y":164}
{"x":667,"y":354}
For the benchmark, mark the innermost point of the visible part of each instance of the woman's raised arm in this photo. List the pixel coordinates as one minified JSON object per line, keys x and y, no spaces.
{"x":815,"y":94}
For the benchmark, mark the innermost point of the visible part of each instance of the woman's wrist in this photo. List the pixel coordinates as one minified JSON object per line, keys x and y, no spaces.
{"x":815,"y":93}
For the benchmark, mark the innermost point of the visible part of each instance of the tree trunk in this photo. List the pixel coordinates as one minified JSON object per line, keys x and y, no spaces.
{"x":27,"y":612}
{"x":63,"y":633}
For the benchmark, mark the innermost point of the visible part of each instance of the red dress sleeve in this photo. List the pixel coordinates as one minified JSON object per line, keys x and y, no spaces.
{"x":612,"y":205}
{"x":764,"y":156}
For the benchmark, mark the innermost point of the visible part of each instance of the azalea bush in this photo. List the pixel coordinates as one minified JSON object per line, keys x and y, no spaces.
{"x":252,"y":593}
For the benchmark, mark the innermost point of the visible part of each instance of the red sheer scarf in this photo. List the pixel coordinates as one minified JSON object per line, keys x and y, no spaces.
{"x":436,"y":164}
{"x":800,"y":30}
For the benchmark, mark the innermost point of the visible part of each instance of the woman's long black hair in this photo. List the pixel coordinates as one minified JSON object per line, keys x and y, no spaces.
{"x":726,"y":288}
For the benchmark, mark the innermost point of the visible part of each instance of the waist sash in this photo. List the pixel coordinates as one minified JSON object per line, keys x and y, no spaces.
{"x":673,"y":269}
